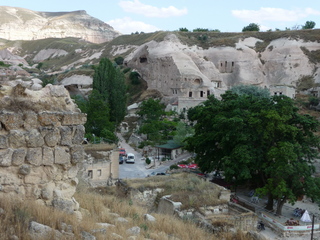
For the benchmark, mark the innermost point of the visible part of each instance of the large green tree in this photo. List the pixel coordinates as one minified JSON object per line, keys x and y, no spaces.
{"x":259,"y":139}
{"x":109,"y":81}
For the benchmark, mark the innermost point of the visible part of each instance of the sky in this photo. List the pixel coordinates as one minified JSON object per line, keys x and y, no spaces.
{"x":130,"y":16}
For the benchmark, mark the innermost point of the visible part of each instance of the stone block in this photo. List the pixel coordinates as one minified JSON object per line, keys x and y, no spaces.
{"x":24,"y":169}
{"x":78,"y":136}
{"x":66,"y":136}
{"x":62,"y":155}
{"x":34,"y":156}
{"x":17,"y":139}
{"x":74,"y":119}
{"x":49,"y":118}
{"x":6,"y":157}
{"x":11,"y":120}
{"x":63,"y":204}
{"x":48,"y":156}
{"x":30,"y":120}
{"x":77,"y":154}
{"x":19,"y":156}
{"x":34,"y":139}
{"x":3,"y":141}
{"x":51,"y":136}
{"x":47,"y":191}
{"x":38,"y":176}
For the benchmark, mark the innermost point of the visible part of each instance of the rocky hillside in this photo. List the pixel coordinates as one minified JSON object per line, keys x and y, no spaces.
{"x":183,"y":67}
{"x":23,"y":24}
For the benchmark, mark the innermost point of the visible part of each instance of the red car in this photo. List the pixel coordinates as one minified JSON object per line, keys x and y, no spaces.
{"x":122,"y":151}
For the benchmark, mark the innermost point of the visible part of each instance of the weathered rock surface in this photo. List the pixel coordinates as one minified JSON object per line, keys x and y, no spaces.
{"x":181,"y":71}
{"x":40,"y":145}
{"x":24,"y":24}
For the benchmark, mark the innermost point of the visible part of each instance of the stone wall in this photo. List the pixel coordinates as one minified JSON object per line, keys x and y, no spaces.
{"x":41,"y":135}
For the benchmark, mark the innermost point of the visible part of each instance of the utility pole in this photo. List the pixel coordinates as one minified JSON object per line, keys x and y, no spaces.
{"x":312,"y":227}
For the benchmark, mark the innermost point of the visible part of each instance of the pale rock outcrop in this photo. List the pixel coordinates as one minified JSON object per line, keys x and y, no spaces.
{"x":41,"y":133}
{"x":49,"y":53}
{"x":40,"y":231}
{"x":24,"y":24}
{"x":183,"y":72}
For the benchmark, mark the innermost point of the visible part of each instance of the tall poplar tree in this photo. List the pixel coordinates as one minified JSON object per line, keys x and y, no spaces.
{"x":109,"y":81}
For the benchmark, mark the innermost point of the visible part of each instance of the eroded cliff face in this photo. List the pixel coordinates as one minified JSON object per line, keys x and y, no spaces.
{"x":23,"y":24}
{"x":41,"y":135}
{"x":178,"y":70}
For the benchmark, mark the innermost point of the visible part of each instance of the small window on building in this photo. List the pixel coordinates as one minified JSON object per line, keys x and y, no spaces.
{"x":208,"y":93}
{"x":232,"y":64}
{"x":90,"y":174}
{"x":220,"y":64}
{"x":280,"y":93}
{"x":201,"y":93}
{"x":225,"y":63}
{"x":190,"y":94}
{"x":99,"y":172}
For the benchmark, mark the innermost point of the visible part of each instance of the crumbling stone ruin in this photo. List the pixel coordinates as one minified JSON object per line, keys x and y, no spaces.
{"x":41,"y":135}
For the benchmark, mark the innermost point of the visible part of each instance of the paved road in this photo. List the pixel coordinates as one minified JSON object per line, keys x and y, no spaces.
{"x":138,"y":169}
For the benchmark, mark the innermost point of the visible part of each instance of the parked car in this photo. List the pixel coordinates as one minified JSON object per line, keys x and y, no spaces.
{"x":130,"y":158}
{"x":122,"y":151}
{"x":121,"y":159}
{"x":156,"y":174}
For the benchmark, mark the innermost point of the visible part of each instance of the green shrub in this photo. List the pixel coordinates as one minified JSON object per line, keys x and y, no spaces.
{"x":126,"y":70}
{"x":148,"y":161}
{"x":135,"y":78}
{"x":174,"y":166}
{"x":119,"y":60}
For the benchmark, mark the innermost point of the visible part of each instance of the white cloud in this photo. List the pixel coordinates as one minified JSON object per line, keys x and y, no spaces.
{"x":137,"y":7}
{"x":127,"y":26}
{"x":273,"y":14}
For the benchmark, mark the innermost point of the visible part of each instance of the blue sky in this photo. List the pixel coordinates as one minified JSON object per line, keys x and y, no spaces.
{"x":127,"y":16}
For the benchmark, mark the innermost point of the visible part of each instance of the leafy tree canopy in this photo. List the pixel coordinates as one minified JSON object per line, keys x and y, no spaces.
{"x":251,"y":27}
{"x":258,"y":139}
{"x":309,"y":25}
{"x":183,"y":29}
{"x":154,"y":122}
{"x":151,"y":109}
{"x":109,"y":81}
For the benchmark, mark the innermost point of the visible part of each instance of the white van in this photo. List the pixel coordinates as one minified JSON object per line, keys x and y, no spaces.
{"x":130,"y":158}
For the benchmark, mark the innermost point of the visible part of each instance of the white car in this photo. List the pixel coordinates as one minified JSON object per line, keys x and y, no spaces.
{"x":130,"y":158}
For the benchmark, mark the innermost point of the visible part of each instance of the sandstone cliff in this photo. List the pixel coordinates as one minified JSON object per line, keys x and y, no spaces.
{"x":23,"y":24}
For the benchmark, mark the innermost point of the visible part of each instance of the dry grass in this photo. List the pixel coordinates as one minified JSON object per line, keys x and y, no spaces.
{"x":105,"y":207}
{"x":18,"y":214}
{"x":189,"y":189}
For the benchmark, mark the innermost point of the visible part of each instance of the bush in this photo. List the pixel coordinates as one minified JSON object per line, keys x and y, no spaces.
{"x":148,"y":161}
{"x":174,"y":166}
{"x":126,"y":70}
{"x":119,"y":60}
{"x":135,"y":78}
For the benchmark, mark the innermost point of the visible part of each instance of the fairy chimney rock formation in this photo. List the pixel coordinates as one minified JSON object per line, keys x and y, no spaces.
{"x":41,"y":135}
